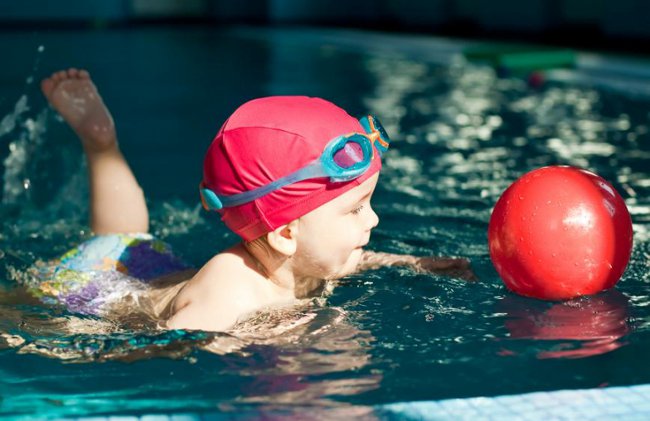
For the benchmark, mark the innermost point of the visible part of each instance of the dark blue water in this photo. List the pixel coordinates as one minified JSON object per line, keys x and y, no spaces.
{"x":460,"y":137}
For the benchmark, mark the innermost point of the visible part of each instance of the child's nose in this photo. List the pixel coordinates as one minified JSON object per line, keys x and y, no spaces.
{"x":372,"y":220}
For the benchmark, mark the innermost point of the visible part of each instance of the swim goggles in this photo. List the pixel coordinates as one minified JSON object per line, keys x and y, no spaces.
{"x":344,"y":158}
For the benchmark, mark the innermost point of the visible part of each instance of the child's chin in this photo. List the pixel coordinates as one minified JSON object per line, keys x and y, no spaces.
{"x":355,"y":257}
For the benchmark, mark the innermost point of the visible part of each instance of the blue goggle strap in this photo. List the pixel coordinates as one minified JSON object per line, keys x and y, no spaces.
{"x":313,"y":170}
{"x":325,"y":166}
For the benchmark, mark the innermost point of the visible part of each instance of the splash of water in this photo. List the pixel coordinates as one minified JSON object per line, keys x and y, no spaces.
{"x":16,"y":181}
{"x":8,"y":122}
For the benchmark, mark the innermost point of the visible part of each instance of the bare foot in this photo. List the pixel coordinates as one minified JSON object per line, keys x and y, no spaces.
{"x":73,"y":94}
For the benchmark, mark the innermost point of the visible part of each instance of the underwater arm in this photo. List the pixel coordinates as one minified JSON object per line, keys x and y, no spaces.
{"x":451,"y":266}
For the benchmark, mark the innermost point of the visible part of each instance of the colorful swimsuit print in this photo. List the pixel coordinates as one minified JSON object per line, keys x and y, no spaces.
{"x":103,"y":270}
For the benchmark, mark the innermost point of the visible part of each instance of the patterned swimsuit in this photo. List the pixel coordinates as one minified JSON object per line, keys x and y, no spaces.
{"x":103,"y":270}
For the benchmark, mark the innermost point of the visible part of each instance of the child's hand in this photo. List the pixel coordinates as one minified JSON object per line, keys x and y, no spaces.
{"x":449,"y":266}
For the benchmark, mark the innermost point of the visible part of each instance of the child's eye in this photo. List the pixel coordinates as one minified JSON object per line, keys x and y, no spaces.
{"x":356,"y":210}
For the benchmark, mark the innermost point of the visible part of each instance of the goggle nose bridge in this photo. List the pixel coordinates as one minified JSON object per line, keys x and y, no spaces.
{"x":374,"y":135}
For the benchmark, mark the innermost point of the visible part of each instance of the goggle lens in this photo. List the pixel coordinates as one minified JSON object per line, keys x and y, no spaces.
{"x":350,"y":154}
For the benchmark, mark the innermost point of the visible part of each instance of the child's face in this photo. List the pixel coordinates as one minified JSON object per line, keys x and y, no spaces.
{"x":331,"y":237}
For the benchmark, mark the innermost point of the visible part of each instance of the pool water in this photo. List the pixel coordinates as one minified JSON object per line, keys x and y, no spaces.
{"x":460,"y":135}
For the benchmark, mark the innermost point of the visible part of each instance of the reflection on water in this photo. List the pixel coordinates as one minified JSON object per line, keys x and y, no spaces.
{"x":289,"y":356}
{"x":577,"y":328}
{"x":316,"y":359}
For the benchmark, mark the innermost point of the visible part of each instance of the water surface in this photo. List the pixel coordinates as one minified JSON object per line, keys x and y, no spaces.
{"x":460,"y":135}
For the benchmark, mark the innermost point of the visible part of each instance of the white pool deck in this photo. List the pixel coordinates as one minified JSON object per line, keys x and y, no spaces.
{"x":613,"y":403}
{"x":628,"y":403}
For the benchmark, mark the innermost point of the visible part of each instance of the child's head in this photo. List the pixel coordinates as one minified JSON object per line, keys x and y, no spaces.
{"x":270,"y":138}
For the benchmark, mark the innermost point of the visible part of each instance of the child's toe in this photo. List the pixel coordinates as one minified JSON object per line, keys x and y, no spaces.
{"x":47,"y":85}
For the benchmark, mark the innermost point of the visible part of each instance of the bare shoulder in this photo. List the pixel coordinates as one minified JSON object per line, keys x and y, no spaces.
{"x":221,"y":269}
{"x":216,"y":296}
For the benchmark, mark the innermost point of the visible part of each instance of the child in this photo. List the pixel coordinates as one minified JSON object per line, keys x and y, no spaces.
{"x":292,"y":176}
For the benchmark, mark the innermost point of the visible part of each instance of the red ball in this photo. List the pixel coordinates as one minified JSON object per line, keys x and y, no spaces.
{"x":560,"y":232}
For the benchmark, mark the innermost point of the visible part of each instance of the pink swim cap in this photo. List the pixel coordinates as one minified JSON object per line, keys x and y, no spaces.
{"x":266,"y":139}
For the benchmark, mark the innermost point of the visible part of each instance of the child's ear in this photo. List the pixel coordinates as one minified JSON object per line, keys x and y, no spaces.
{"x":284,"y":239}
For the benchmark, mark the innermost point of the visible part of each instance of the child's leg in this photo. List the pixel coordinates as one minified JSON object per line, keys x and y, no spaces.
{"x":117,"y":202}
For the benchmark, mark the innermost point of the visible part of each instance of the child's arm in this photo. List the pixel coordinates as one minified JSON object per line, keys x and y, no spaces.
{"x":451,"y":266}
